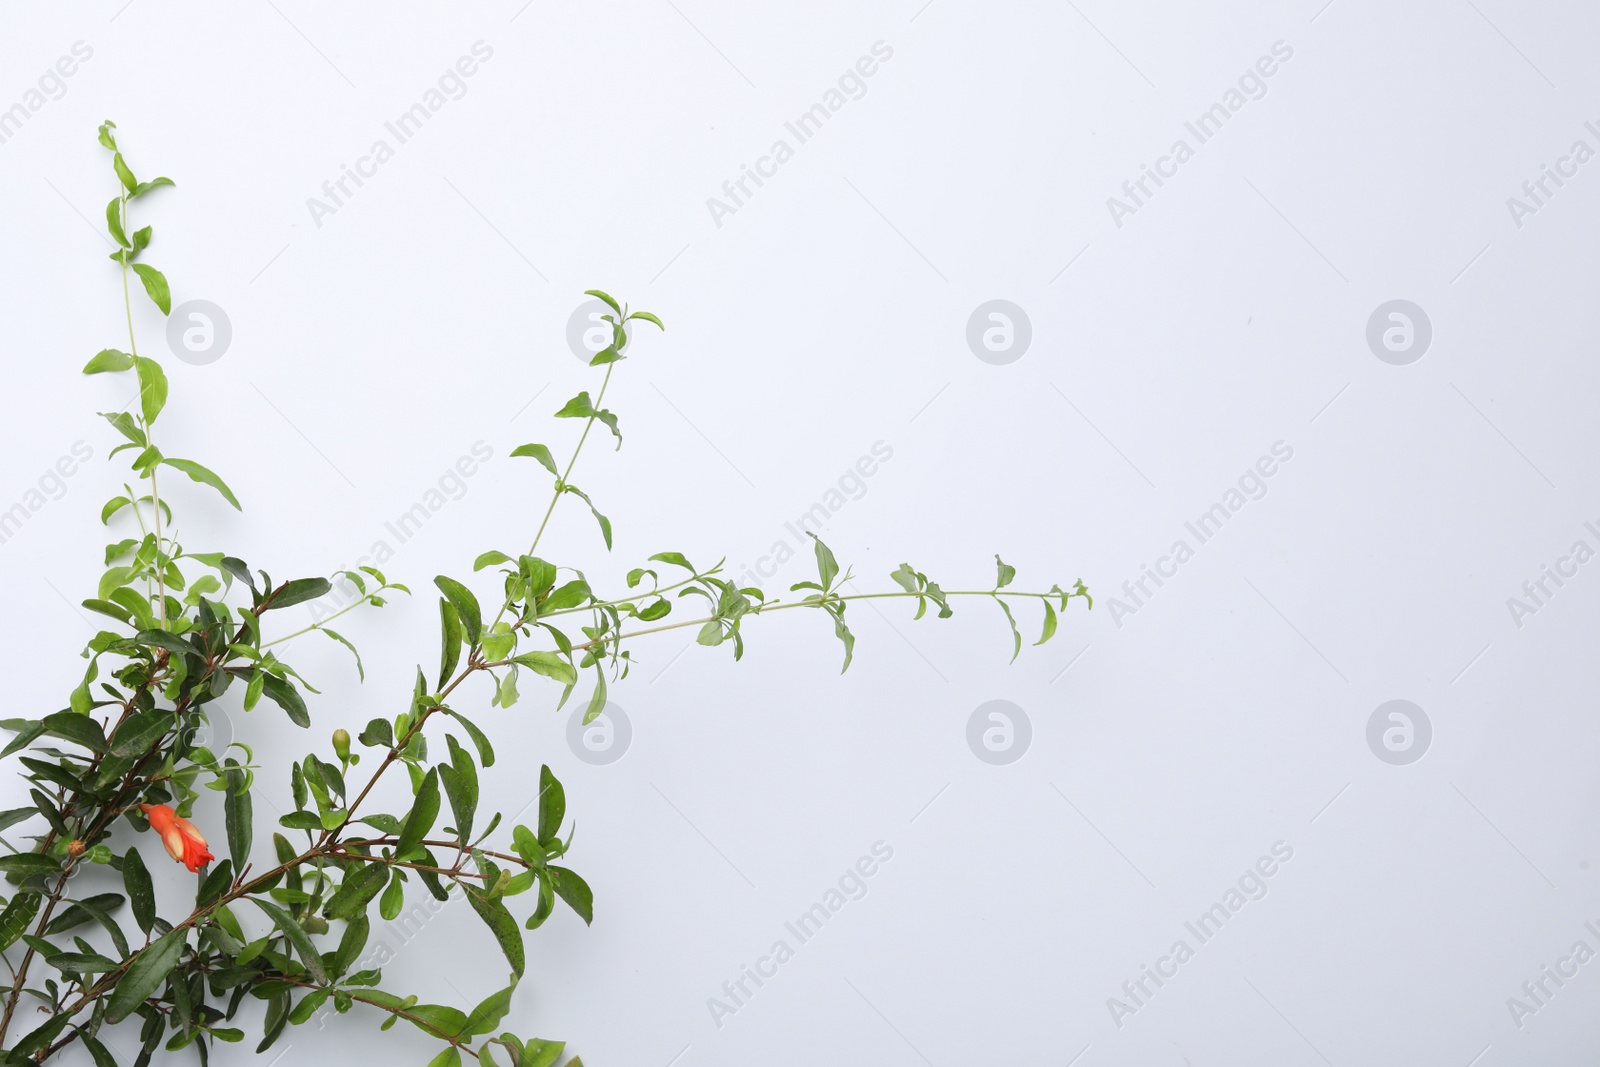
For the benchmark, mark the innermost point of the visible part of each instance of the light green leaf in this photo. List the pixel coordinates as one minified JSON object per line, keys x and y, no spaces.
{"x":108,"y":359}
{"x":114,"y":222}
{"x":155,"y":284}
{"x":152,"y":387}
{"x":1006,"y":572}
{"x":205,"y":477}
{"x":606,"y":297}
{"x":540,"y":453}
{"x":1049,"y":623}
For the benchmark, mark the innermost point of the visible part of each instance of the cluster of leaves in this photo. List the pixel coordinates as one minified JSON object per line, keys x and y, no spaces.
{"x":192,"y":628}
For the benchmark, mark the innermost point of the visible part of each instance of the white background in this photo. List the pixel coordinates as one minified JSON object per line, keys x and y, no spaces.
{"x":828,"y":313}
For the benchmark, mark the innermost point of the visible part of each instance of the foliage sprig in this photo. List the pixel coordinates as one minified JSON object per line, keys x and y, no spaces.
{"x":123,"y":758}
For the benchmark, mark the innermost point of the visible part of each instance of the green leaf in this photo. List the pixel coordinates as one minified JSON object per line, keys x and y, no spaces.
{"x":357,"y":891}
{"x":489,"y":559}
{"x":164,"y":639}
{"x":677,"y":559}
{"x":597,"y":702}
{"x":580,"y":407}
{"x":118,"y":164}
{"x":450,"y":634}
{"x":569,"y":595}
{"x":552,"y":806}
{"x":1049,"y":623}
{"x":81,"y":963}
{"x":502,"y":925}
{"x":549,"y":664}
{"x":15,"y":919}
{"x":297,"y":937}
{"x":597,"y":294}
{"x":1016,"y":634}
{"x":394,"y":899}
{"x":208,"y":477}
{"x":152,"y":388}
{"x":378,"y":732}
{"x":450,"y":1057}
{"x":135,"y":736}
{"x":1006,"y":572}
{"x":147,"y":973}
{"x":842,"y":632}
{"x":26,"y":863}
{"x":424,"y":810}
{"x":487,"y":1016}
{"x":114,"y":222}
{"x":283,"y":693}
{"x":605,"y":523}
{"x":540,"y":453}
{"x":827,"y":566}
{"x":460,"y":781}
{"x":79,"y":729}
{"x":575,"y":891}
{"x":153,"y":183}
{"x":237,"y":810}
{"x":481,"y":742}
{"x":108,"y":359}
{"x":466,"y":606}
{"x":141,"y":893}
{"x":646,"y":316}
{"x":155,"y":283}
{"x":345,"y":641}
{"x":297,"y":592}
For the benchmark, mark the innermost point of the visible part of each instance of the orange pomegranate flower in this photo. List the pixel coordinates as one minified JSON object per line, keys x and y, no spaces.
{"x":182,"y":841}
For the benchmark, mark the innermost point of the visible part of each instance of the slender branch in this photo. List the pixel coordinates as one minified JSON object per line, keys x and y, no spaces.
{"x":779,"y":606}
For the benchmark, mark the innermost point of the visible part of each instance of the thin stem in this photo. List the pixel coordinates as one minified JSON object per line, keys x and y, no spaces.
{"x":561,"y":483}
{"x":776,"y":606}
{"x":321,"y":623}
{"x":155,"y":491}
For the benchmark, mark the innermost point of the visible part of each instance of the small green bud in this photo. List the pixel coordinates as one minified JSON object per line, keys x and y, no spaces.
{"x":341,"y":743}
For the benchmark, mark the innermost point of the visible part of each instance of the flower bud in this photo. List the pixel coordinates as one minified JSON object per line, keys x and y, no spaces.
{"x":76,"y":848}
{"x":314,"y":924}
{"x":341,"y":743}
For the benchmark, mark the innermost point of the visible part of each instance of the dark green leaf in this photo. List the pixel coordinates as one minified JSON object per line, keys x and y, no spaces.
{"x":297,"y":937}
{"x":26,"y":863}
{"x":466,"y":606}
{"x":79,"y":729}
{"x":283,"y":693}
{"x":298,"y":592}
{"x":450,"y":634}
{"x":141,"y":893}
{"x":460,"y":781}
{"x":237,"y":810}
{"x":485,"y":750}
{"x":502,"y":925}
{"x":552,"y":806}
{"x":136,"y":735}
{"x":424,"y":810}
{"x":145,"y":976}
{"x":359,"y":887}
